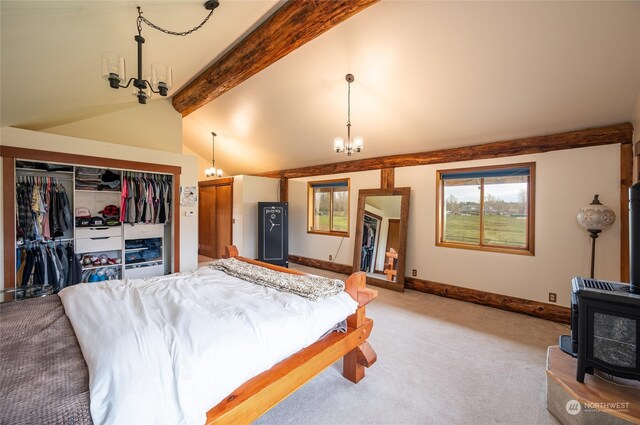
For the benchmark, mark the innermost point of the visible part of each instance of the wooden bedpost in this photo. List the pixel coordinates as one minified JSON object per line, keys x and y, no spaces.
{"x":230,"y":251}
{"x":363,"y":355}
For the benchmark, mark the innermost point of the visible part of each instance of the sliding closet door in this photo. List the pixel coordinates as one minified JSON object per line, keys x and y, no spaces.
{"x":215,"y":216}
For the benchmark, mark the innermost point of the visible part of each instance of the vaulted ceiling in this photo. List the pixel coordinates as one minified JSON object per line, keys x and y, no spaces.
{"x":428,"y":75}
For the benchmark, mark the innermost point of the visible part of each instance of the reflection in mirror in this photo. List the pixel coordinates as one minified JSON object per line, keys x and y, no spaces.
{"x":381,"y":236}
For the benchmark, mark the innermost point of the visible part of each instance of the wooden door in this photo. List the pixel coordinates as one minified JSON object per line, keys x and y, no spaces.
{"x":223,"y":219}
{"x":393,"y":234}
{"x":215,"y":217}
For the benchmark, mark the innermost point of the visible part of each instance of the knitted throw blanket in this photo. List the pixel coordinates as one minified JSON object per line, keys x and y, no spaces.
{"x":314,"y":288}
{"x":44,"y":378}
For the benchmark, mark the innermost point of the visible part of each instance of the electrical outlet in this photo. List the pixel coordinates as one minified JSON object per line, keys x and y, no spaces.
{"x":552,"y":297}
{"x":414,"y":272}
{"x":330,"y":257}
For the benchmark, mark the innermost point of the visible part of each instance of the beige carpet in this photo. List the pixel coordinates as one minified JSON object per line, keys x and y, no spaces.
{"x":440,"y":361}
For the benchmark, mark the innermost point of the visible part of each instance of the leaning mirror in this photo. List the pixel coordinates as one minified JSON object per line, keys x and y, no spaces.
{"x":381,"y":236}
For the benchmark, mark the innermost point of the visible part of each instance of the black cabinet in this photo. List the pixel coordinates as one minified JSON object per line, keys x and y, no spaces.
{"x":273,"y":233}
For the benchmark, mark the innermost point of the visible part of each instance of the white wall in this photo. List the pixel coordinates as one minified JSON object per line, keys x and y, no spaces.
{"x":247,"y":192}
{"x":202,"y":164}
{"x":565,"y":182}
{"x":321,"y":246}
{"x":56,"y":143}
{"x":156,"y":125}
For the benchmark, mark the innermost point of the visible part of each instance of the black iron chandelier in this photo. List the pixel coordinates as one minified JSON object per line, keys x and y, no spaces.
{"x":351,"y":145}
{"x":213,"y":171}
{"x":113,"y":66}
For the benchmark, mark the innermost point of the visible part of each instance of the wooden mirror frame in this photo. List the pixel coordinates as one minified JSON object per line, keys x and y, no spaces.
{"x":404,"y":193}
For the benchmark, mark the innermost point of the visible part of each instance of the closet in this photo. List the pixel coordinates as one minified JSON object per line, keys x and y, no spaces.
{"x":215,"y":216}
{"x":83,"y":224}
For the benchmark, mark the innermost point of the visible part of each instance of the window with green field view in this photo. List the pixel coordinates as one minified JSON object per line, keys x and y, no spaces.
{"x":329,"y":207}
{"x":488,"y":208}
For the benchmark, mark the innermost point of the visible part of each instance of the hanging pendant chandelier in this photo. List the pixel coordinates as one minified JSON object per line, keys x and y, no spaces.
{"x":212,"y":171}
{"x":357,"y":143}
{"x":113,"y":66}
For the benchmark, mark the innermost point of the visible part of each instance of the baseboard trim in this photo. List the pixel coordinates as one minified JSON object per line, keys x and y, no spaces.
{"x":321,"y":264}
{"x":545,"y":311}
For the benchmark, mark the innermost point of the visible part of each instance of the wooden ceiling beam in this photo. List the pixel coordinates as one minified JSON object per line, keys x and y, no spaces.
{"x":294,"y":24}
{"x":618,"y":133}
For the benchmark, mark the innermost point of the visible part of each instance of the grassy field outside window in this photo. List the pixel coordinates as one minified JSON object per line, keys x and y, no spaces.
{"x":329,"y":207}
{"x":488,"y":208}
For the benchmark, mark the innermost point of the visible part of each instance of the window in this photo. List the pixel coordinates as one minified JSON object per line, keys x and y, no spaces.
{"x":329,"y":207}
{"x":488,"y":208}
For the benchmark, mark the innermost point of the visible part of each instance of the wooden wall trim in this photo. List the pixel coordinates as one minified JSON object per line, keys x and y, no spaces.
{"x":284,"y":190}
{"x":545,"y":311}
{"x":387,"y":178}
{"x":626,"y":180}
{"x":291,"y":26}
{"x":10,"y":154}
{"x":321,"y":264}
{"x":96,"y":161}
{"x":9,"y":224}
{"x":216,"y":182}
{"x":618,"y":133}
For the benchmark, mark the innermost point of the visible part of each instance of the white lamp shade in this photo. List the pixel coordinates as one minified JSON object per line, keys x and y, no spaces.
{"x":596,"y":216}
{"x":113,"y":64}
{"x":338,"y":144}
{"x":358,"y":143}
{"x":161,"y":75}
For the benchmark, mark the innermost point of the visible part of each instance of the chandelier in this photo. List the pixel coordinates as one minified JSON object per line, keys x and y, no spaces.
{"x":113,"y":66}
{"x":212,"y":171}
{"x":357,"y":143}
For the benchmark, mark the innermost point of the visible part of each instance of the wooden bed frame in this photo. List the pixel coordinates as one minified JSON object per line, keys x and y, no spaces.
{"x":256,"y":396}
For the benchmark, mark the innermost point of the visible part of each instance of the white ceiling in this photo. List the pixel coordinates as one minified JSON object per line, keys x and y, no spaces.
{"x":428,"y":75}
{"x":51,"y":51}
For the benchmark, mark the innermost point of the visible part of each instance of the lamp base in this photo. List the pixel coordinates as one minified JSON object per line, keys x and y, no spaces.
{"x":593,"y":233}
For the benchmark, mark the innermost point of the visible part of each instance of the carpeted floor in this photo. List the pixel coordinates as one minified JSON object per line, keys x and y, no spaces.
{"x":440,"y":361}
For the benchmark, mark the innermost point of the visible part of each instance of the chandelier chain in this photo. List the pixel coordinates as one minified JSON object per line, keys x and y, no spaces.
{"x":183,"y":33}
{"x":349,"y":104}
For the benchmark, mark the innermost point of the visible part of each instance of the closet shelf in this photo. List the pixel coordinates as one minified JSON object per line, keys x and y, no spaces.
{"x":97,"y":191}
{"x":135,"y":249}
{"x":101,"y":266}
{"x":36,"y":170}
{"x":143,"y":263}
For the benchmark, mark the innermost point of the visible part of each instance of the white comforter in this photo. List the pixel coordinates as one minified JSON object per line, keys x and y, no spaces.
{"x":167,"y":349}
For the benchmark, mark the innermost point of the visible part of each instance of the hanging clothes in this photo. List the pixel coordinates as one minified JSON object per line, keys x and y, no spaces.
{"x":47,"y":265}
{"x":64,"y":262}
{"x":43,"y":208}
{"x":75,"y":268}
{"x":145,"y":200}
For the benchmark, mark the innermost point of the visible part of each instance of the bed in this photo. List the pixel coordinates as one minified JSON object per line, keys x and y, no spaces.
{"x":68,"y":380}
